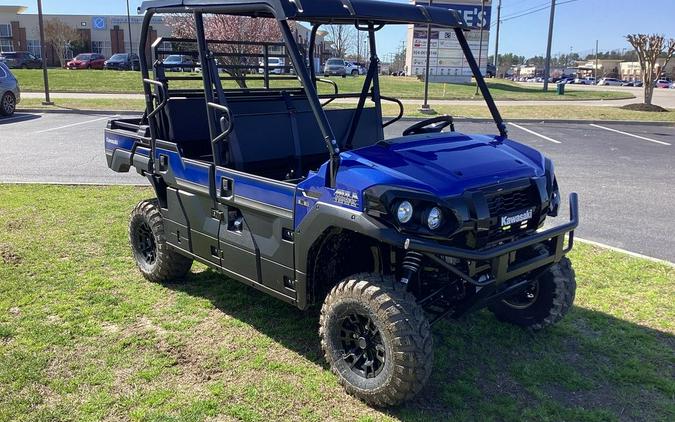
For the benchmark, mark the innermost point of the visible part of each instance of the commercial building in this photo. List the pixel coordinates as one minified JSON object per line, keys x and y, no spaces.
{"x":105,"y":34}
{"x":446,"y":62}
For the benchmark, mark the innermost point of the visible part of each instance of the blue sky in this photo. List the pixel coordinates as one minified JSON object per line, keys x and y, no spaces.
{"x":577,"y":25}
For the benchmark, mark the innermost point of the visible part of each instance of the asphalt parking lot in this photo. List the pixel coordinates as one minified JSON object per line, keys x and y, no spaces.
{"x":624,"y":174}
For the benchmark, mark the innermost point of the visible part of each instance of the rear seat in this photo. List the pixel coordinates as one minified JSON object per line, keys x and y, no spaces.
{"x":274,"y":136}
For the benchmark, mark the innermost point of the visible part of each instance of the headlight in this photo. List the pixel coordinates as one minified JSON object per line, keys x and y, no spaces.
{"x":404,"y":212}
{"x":435,"y":218}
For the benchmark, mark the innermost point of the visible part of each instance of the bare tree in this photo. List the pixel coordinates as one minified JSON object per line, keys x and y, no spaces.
{"x":239,"y":60}
{"x":342,"y":37}
{"x":59,"y":35}
{"x":648,"y":49}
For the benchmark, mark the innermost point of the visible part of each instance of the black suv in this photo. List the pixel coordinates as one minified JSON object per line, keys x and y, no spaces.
{"x":21,"y":60}
{"x":123,"y":61}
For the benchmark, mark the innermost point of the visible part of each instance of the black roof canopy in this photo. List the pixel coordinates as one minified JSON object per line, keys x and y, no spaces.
{"x":318,"y":11}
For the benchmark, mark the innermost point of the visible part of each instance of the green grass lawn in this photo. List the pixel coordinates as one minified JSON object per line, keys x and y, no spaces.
{"x":83,"y":337}
{"x":106,"y":81}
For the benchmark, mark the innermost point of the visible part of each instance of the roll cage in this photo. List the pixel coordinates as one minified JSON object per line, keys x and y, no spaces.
{"x":366,"y":15}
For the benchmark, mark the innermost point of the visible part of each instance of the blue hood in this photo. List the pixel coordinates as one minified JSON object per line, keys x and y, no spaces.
{"x":444,"y":164}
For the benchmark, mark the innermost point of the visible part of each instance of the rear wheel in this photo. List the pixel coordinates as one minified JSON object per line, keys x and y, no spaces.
{"x":545,"y":302}
{"x":376,"y":339}
{"x":156,"y":260}
{"x":7,"y":104}
{"x":355,"y":72}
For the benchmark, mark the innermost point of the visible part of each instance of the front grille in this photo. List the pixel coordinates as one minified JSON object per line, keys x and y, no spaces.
{"x":504,"y":203}
{"x":501,"y":203}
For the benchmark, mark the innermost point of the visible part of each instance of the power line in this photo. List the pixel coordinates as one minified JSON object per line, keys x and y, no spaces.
{"x":538,"y":9}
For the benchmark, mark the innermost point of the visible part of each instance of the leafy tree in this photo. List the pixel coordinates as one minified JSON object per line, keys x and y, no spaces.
{"x":648,"y":49}
{"x":60,"y":35}
{"x":230,"y":28}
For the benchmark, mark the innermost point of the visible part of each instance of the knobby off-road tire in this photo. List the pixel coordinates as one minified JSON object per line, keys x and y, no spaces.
{"x":552,"y":297}
{"x":156,"y":260}
{"x":394,"y":336}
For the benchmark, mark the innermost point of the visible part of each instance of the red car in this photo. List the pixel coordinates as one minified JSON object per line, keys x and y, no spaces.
{"x":86,"y":61}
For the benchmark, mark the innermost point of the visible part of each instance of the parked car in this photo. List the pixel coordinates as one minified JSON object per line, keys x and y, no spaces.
{"x":566,"y":81}
{"x":585,"y":81}
{"x":123,"y":61}
{"x":663,"y":83}
{"x":178,"y":63}
{"x":276,"y":65}
{"x":609,"y":82}
{"x":9,"y":91}
{"x":354,"y":69}
{"x":335,"y":67}
{"x":21,"y":60}
{"x":87,"y":61}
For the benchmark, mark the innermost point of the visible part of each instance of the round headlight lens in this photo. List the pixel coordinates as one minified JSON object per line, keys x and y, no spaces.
{"x":404,"y":212}
{"x":435,"y":218}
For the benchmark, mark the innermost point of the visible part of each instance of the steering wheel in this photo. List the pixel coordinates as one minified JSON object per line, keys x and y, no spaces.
{"x":433,"y":125}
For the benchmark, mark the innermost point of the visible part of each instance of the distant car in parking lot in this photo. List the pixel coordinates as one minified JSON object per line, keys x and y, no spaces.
{"x":86,"y":61}
{"x":178,"y":63}
{"x":10,"y":94}
{"x":663,"y":83}
{"x":609,"y":82}
{"x":335,"y":67}
{"x":123,"y":61}
{"x":21,"y":60}
{"x":275,"y":65}
{"x":585,"y":81}
{"x":354,"y":69}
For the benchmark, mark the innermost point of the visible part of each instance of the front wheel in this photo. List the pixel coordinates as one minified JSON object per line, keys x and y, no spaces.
{"x":376,"y":339}
{"x":156,"y":260}
{"x":545,"y":302}
{"x":7,"y":104}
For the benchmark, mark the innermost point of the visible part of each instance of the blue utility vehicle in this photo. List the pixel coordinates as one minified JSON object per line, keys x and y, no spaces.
{"x":271,"y":186}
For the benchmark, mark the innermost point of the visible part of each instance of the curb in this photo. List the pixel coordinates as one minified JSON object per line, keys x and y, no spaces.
{"x":405,"y":118}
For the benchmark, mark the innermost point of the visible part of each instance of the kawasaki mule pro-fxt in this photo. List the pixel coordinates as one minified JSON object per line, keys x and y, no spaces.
{"x":312,"y":205}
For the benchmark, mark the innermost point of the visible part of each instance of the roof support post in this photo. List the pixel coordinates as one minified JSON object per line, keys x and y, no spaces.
{"x":480,"y":81}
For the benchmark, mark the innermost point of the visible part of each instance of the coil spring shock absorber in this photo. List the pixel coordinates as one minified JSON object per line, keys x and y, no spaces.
{"x":411,"y":266}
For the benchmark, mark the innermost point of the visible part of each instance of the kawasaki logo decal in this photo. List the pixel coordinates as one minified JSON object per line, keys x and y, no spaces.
{"x":507,"y":220}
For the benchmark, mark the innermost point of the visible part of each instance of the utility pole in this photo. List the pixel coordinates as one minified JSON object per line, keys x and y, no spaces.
{"x":131,"y":44}
{"x":480,"y":46}
{"x":425,"y":107}
{"x":358,"y":46}
{"x":547,"y":63}
{"x":595,"y":71}
{"x":496,"y":63}
{"x":43,"y":53}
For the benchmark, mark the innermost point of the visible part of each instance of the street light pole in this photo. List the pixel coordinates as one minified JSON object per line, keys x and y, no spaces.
{"x":425,"y":107}
{"x":496,"y":63}
{"x":131,"y":44}
{"x":43,"y":52}
{"x":547,"y":63}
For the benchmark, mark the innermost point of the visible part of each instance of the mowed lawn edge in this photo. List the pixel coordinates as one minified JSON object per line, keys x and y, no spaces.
{"x":110,"y":81}
{"x":84,"y":337}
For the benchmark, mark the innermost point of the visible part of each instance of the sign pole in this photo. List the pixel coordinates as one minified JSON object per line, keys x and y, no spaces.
{"x":43,"y":52}
{"x":480,"y":46}
{"x":425,"y":107}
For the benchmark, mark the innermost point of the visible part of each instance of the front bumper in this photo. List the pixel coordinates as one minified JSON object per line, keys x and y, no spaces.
{"x":500,"y":258}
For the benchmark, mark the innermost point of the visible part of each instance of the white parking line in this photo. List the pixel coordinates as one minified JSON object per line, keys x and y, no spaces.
{"x":535,"y":133}
{"x":630,"y":134}
{"x":73,"y":124}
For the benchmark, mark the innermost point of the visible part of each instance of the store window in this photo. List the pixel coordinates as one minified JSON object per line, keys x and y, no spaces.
{"x":34,"y":47}
{"x":5,"y":30}
{"x":6,"y":45}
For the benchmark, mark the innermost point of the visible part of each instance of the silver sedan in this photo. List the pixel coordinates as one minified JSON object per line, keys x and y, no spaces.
{"x":9,"y":91}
